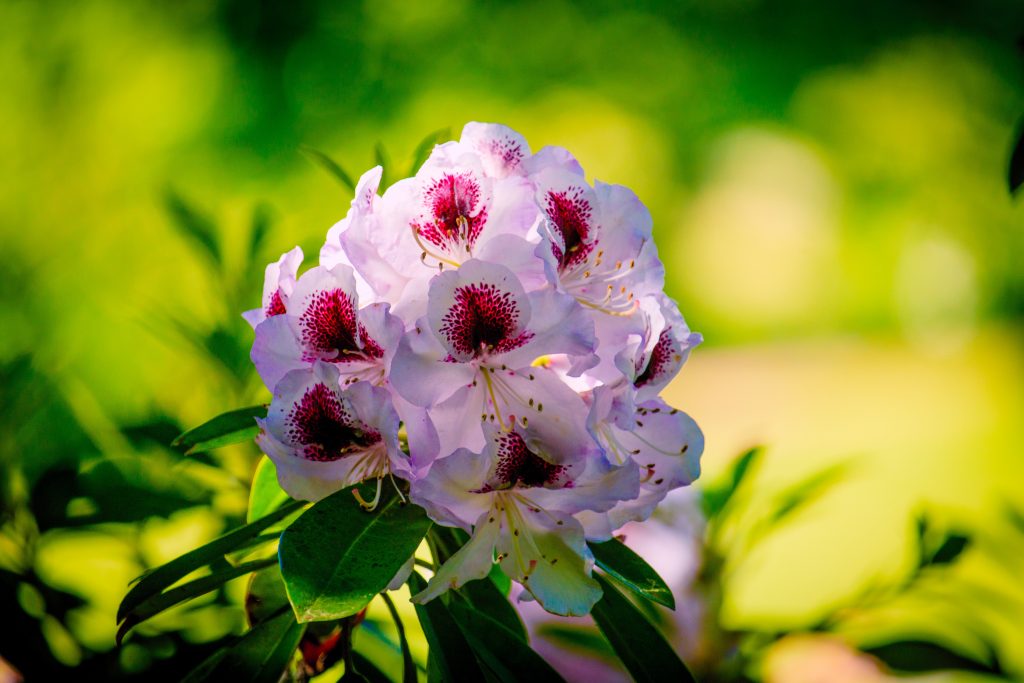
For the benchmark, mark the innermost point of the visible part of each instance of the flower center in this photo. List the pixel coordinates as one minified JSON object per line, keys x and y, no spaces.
{"x":570,"y":214}
{"x":483,"y":320}
{"x":324,"y":428}
{"x":456,"y":216}
{"x":276,"y":305}
{"x":329,"y":329}
{"x":519,"y":467}
{"x":661,"y":357}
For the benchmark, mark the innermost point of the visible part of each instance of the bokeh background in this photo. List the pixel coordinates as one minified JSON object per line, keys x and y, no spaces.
{"x":827,"y":182}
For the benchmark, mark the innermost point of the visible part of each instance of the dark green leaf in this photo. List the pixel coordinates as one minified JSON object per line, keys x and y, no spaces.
{"x":337,"y":556}
{"x":425,"y":147}
{"x":950,"y":549}
{"x":193,"y":225}
{"x":231,"y":427}
{"x":380,"y":155}
{"x":500,"y":649}
{"x":641,"y":647}
{"x":260,"y":655}
{"x":448,"y":646}
{"x":179,"y":594}
{"x":581,"y":638}
{"x":330,"y":165}
{"x":625,"y":565}
{"x":265,"y":595}
{"x":1016,"y":171}
{"x":155,"y":581}
{"x":367,"y":670}
{"x":265,"y":494}
{"x":408,"y":665}
{"x":915,"y":656}
{"x":943,"y":552}
{"x":717,"y":496}
{"x":486,"y":597}
{"x":261,"y":221}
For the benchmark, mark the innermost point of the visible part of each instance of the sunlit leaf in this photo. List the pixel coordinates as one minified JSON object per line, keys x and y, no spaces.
{"x":265,"y":494}
{"x":330,"y":165}
{"x":641,"y":647}
{"x":507,"y":655}
{"x":500,"y":579}
{"x":717,"y":496}
{"x":260,"y":655}
{"x":231,"y":427}
{"x":337,"y":556}
{"x":633,"y":571}
{"x":915,"y":656}
{"x":179,"y":594}
{"x":806,"y":491}
{"x":450,"y":653}
{"x":156,"y":580}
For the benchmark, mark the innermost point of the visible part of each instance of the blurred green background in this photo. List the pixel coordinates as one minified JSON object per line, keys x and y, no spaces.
{"x":828,"y":187}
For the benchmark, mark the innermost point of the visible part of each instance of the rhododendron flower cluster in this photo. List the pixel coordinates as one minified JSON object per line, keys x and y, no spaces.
{"x":493,"y":331}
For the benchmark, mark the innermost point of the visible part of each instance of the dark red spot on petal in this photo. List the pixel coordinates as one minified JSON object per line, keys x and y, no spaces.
{"x":508,"y":151}
{"x":455,"y":212}
{"x":659,"y":362}
{"x":521,"y":468}
{"x":483,"y":320}
{"x":329,"y":326}
{"x":324,"y":429}
{"x":571,"y":216}
{"x":276,"y":305}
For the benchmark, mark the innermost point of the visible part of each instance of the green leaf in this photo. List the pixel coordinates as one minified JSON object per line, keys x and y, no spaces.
{"x":231,"y":427}
{"x":500,"y":579}
{"x":380,"y":156}
{"x":916,"y":656}
{"x":944,"y":552}
{"x":260,"y":226}
{"x":265,"y":494}
{"x":1015,"y":176}
{"x":155,"y":581}
{"x":265,"y":596}
{"x":179,"y":594}
{"x":501,"y":650}
{"x":425,"y":147}
{"x":408,"y":665}
{"x":641,"y":647}
{"x":625,"y":565}
{"x":448,"y":646}
{"x":485,"y":597}
{"x":583,"y":639}
{"x":337,"y":556}
{"x":193,"y":225}
{"x":259,"y":656}
{"x":805,"y":491}
{"x":330,"y":165}
{"x":717,"y":496}
{"x":367,"y":670}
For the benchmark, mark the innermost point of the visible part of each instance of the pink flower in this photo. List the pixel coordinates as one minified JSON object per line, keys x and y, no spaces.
{"x":509,"y":318}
